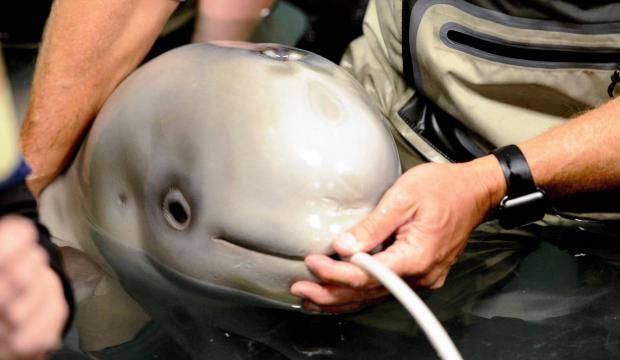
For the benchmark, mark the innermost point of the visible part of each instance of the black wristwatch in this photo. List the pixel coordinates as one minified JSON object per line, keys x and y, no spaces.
{"x":524,"y":202}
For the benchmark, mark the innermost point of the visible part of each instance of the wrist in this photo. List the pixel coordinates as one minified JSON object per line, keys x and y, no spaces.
{"x":488,"y":174}
{"x":524,"y":203}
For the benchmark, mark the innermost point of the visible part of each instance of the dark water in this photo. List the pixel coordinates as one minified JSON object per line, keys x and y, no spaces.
{"x":536,"y":294}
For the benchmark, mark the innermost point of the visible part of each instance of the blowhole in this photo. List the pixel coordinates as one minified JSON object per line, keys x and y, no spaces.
{"x":283,"y":54}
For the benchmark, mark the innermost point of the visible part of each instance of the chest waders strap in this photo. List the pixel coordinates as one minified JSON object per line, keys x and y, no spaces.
{"x":441,"y":131}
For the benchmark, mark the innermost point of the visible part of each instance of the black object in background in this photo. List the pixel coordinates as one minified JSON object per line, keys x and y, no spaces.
{"x":332,"y":25}
{"x":22,"y":22}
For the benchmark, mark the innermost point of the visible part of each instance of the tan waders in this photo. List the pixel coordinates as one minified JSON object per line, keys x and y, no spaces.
{"x":456,"y":80}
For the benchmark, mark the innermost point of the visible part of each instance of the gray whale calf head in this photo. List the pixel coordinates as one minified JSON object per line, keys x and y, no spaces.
{"x":227,"y":166}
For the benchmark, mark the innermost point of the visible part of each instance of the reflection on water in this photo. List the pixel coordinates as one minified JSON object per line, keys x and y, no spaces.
{"x":512,"y":295}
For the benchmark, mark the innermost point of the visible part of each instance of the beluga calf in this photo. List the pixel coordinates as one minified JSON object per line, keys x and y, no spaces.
{"x":207,"y":177}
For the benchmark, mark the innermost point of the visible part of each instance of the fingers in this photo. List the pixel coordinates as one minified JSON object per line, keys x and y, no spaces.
{"x":42,"y":319}
{"x":394,"y":209}
{"x":35,"y":320}
{"x":335,"y":294}
{"x":17,"y":234}
{"x":339,"y":309}
{"x":32,"y":303}
{"x":346,"y":287}
{"x":20,"y":256}
{"x":19,"y":310}
{"x":19,"y":273}
{"x":336,"y":299}
{"x":404,"y":257}
{"x":344,"y":273}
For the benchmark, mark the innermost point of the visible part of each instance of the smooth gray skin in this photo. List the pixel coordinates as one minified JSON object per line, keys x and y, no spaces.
{"x":272,"y":151}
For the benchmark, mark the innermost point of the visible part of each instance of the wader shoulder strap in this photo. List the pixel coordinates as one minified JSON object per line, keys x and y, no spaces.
{"x":438,"y":129}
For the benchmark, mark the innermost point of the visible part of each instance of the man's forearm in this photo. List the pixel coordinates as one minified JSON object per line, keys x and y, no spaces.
{"x":88,"y":48}
{"x":580,"y":156}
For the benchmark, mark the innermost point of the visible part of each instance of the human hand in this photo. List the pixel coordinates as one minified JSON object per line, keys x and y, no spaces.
{"x":33,"y":309}
{"x":432,"y":208}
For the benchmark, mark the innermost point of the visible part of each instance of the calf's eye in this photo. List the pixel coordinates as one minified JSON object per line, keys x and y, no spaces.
{"x":176,"y":210}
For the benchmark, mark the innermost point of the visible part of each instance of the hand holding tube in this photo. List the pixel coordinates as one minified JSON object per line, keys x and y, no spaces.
{"x":432,"y":209}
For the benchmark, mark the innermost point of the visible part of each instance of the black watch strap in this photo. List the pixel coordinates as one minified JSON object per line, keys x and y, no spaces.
{"x":524,"y":202}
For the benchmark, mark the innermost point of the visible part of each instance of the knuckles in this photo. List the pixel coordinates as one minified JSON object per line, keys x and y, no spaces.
{"x":399,"y":197}
{"x":14,"y":316}
{"x":25,"y":273}
{"x":366,"y":229}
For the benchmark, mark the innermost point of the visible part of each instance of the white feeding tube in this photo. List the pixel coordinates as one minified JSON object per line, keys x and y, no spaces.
{"x":435,"y":333}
